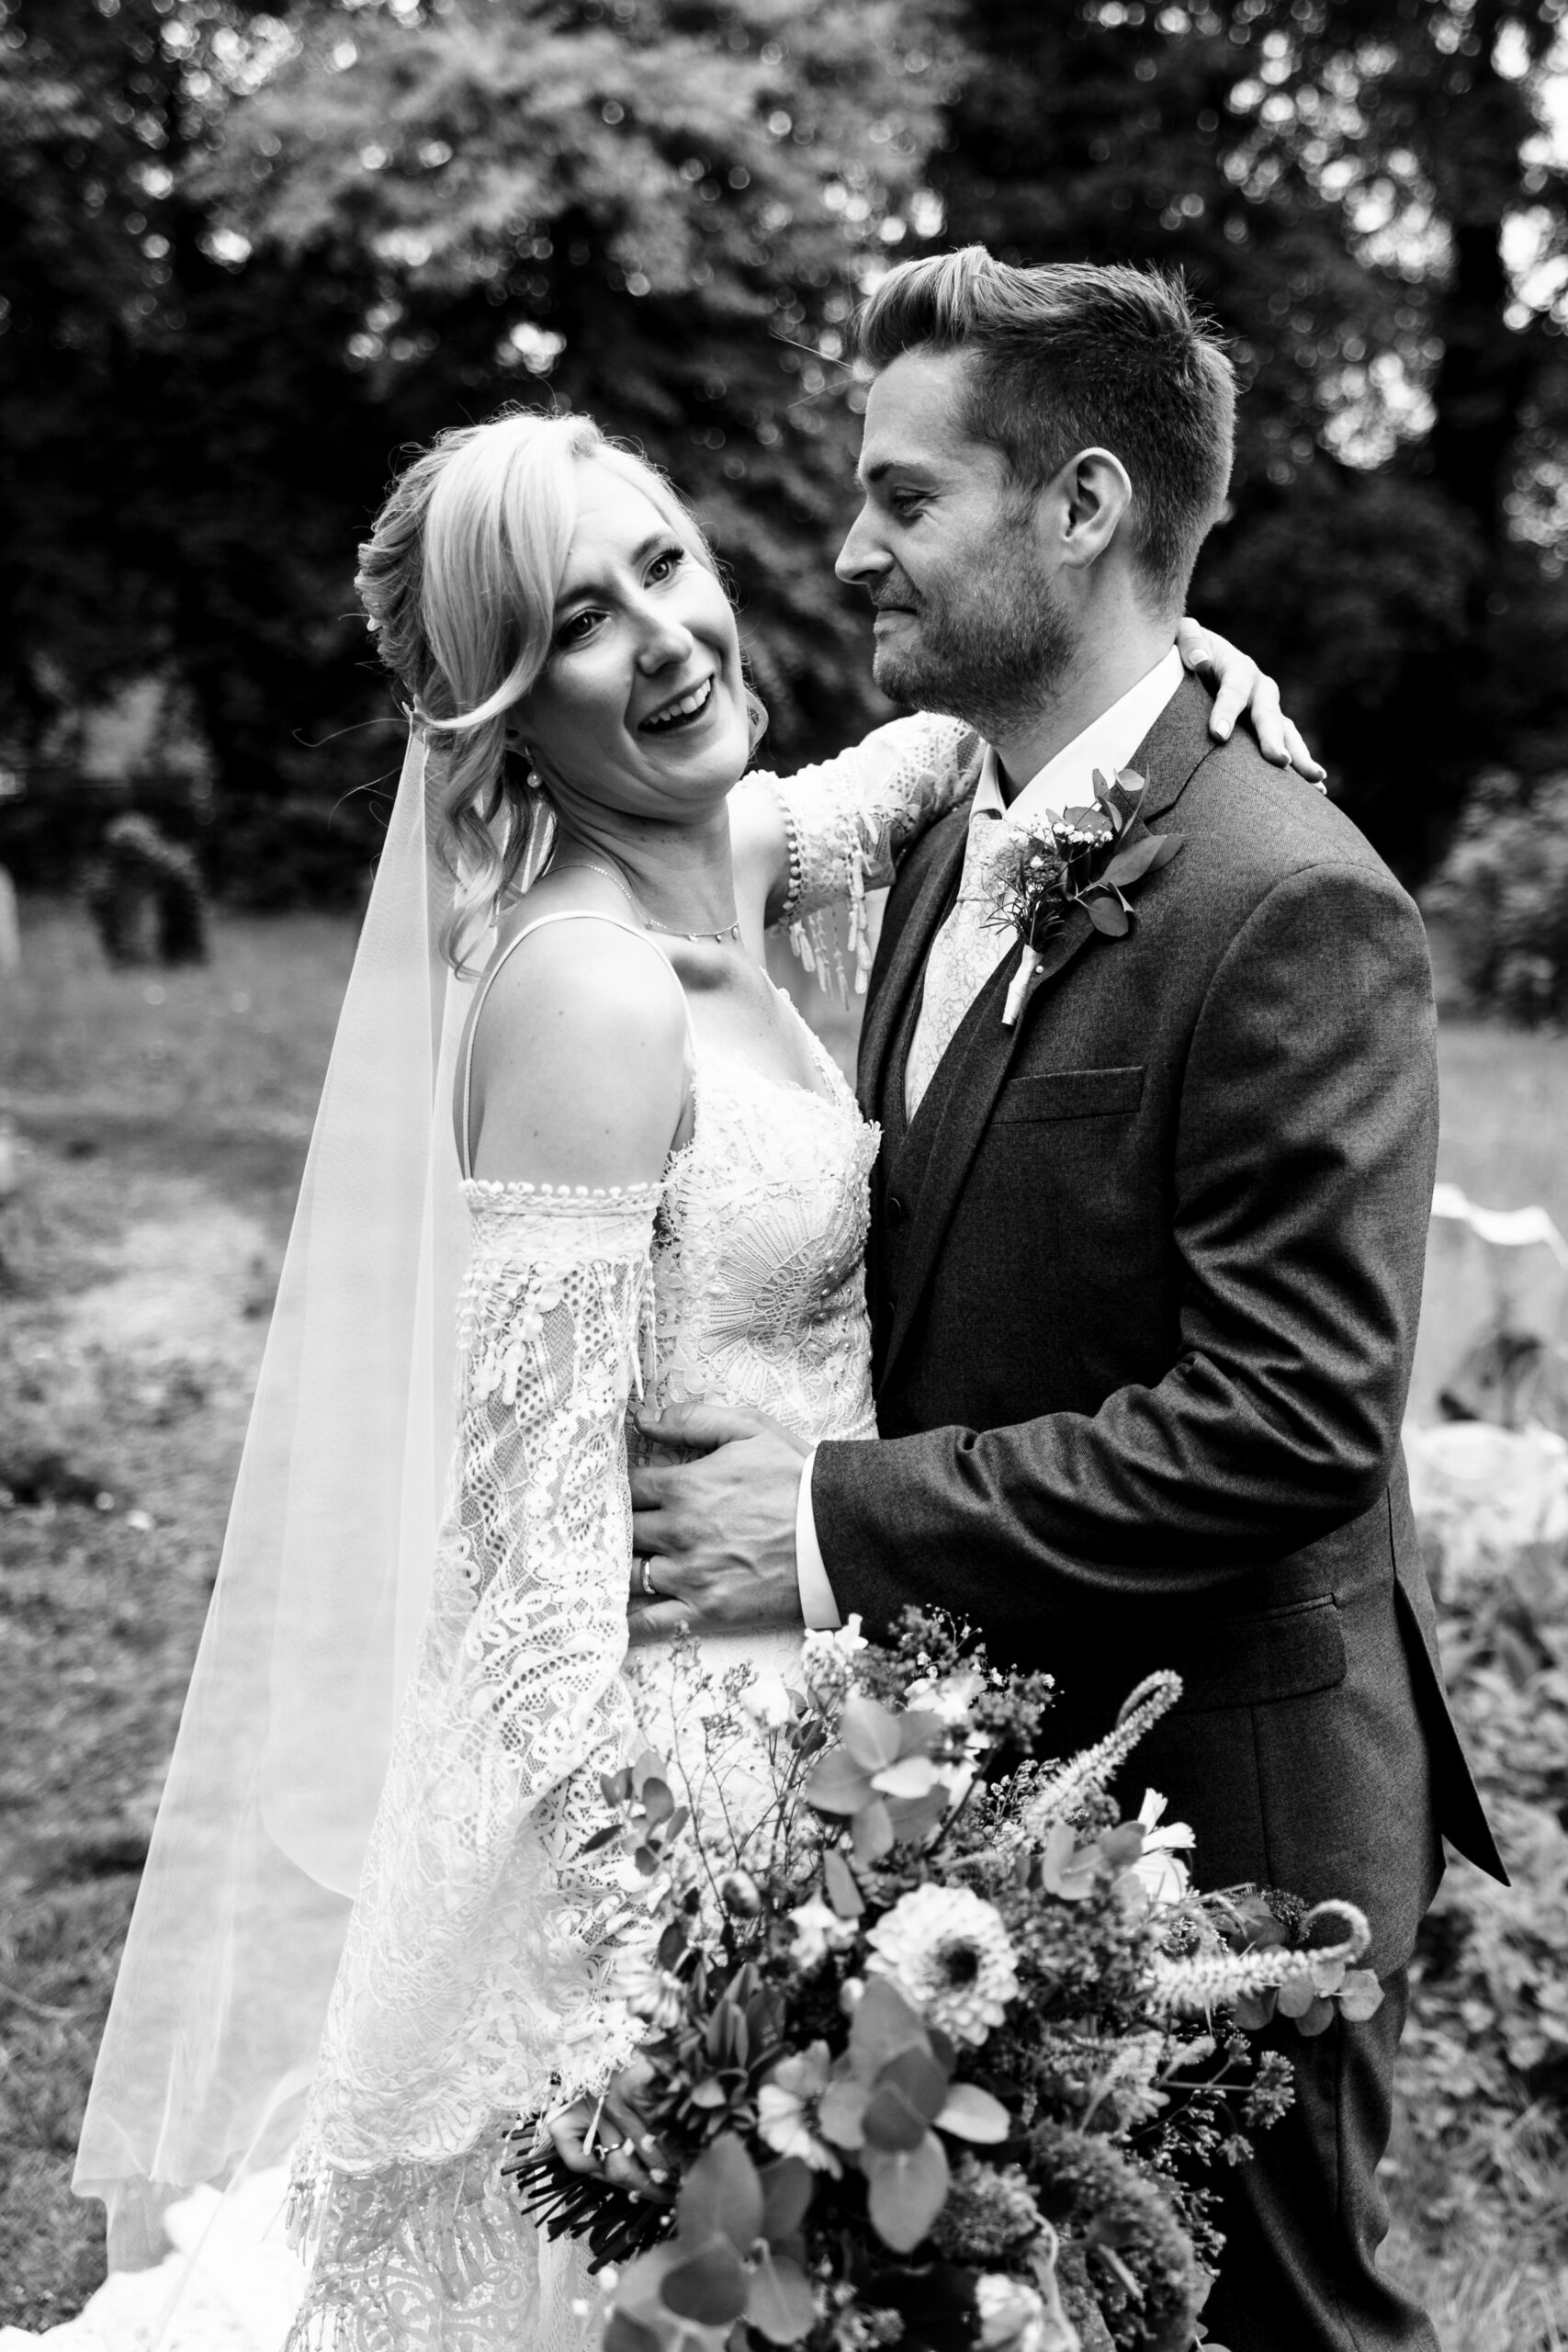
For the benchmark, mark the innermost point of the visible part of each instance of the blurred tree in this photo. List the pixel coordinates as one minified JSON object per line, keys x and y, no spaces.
{"x":1346,"y":184}
{"x":657,"y":210}
{"x":164,"y":514}
{"x":257,"y":253}
{"x":250,"y":252}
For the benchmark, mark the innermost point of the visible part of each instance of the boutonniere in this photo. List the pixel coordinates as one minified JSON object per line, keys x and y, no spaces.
{"x":1086,"y":857}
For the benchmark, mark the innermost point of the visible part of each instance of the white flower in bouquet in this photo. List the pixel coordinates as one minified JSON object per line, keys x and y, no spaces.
{"x":827,"y":1658}
{"x":950,"y":1952}
{"x":648,"y":1991}
{"x":1012,"y":2314}
{"x":952,"y":1697}
{"x":1163,"y":1877}
{"x":786,"y":2104}
{"x":818,"y":1931}
{"x":766,"y":1700}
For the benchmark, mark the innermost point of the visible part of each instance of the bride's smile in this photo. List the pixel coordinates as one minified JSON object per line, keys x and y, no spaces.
{"x":641,"y":704}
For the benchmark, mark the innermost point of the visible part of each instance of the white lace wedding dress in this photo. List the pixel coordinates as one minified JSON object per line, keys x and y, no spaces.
{"x":477,"y":1983}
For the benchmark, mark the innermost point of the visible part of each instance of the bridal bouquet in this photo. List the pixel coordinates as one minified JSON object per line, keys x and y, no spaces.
{"x":937,"y":2047}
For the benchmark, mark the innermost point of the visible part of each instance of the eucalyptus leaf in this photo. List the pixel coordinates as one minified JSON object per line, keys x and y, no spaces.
{"x":1106,"y":916}
{"x":883,"y":2028}
{"x":892,"y":2121}
{"x":836,"y":1783}
{"x":970,"y":2113}
{"x":840,"y":2113}
{"x":922,"y":2078}
{"x":623,"y":2334}
{"x":709,"y":2286}
{"x":844,"y":1890}
{"x":721,"y":2192}
{"x":906,"y":2191}
{"x":787,"y":2188}
{"x":868,"y":1732}
{"x":1360,"y":1996}
{"x":657,"y":1801}
{"x":1139,"y":857}
{"x":779,"y":2305}
{"x":872,"y":1836}
{"x":911,"y":1776}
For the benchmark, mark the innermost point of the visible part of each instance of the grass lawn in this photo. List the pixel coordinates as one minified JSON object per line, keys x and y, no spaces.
{"x":162,"y":1121}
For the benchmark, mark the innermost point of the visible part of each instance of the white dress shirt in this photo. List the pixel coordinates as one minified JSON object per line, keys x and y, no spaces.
{"x":968,"y":947}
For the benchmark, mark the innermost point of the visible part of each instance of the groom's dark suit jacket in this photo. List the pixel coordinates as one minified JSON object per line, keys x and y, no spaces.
{"x":1143,"y":1281}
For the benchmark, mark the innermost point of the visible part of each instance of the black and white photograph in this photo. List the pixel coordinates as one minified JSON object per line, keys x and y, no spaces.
{"x":784,"y":1175}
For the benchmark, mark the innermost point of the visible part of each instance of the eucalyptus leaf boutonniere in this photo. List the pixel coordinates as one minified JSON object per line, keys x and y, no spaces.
{"x":1092,"y":858}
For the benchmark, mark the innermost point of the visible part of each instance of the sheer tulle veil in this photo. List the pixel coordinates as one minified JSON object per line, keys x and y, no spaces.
{"x":322,"y":1588}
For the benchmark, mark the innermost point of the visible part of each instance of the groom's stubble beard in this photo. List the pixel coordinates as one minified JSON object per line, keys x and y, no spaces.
{"x":989,"y":656}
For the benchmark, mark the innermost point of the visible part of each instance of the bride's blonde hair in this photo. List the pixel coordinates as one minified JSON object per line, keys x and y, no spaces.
{"x":458,"y":579}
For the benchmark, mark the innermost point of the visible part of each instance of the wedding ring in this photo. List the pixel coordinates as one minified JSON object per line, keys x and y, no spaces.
{"x":650,"y":1591}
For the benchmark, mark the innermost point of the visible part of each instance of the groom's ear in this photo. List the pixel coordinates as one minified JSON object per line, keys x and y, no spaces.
{"x":1084,"y":504}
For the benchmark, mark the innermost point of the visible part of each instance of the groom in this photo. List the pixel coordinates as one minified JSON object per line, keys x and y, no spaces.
{"x":1145,"y":1265}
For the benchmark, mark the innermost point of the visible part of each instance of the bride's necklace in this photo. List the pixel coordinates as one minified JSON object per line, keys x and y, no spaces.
{"x":586,"y":865}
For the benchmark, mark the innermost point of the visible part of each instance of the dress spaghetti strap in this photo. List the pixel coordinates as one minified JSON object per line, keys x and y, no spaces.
{"x":562,"y":914}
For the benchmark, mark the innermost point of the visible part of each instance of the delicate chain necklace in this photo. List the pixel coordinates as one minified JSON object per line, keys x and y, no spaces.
{"x":586,"y":865}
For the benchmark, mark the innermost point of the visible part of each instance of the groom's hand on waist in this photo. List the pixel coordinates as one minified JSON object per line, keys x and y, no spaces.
{"x":715,"y":1536}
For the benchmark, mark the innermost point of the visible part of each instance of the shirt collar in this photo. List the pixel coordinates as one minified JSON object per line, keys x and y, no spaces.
{"x":1107,"y":743}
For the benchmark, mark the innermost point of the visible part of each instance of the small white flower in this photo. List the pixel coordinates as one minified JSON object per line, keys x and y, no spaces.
{"x":1011,"y":2315}
{"x":818,"y":1931}
{"x":648,"y":1991}
{"x":952,"y":1698}
{"x":951,"y":1952}
{"x":1157,"y":1871}
{"x":828,"y":1658}
{"x":766,"y":1699}
{"x":785,"y":2105}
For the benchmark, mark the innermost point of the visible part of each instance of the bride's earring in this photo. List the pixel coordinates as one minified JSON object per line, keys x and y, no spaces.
{"x":531,"y":781}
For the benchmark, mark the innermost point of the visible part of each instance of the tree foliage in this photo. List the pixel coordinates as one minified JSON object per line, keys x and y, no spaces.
{"x":253,"y":253}
{"x":1362,"y":193}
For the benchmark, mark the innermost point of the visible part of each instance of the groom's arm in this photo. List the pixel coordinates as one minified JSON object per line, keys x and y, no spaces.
{"x":1302,"y":1181}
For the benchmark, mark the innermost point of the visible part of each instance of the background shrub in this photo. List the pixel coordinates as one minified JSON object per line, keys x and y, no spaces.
{"x":1502,"y":894}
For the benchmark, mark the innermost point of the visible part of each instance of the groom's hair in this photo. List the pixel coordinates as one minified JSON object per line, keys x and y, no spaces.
{"x":1073,"y":356}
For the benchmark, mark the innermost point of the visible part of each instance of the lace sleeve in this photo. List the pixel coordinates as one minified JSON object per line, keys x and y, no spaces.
{"x":850,"y":819}
{"x":475,"y":1982}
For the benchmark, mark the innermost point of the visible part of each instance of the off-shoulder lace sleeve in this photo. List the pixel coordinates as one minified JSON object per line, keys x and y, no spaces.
{"x":850,"y":819}
{"x":475,"y":1984}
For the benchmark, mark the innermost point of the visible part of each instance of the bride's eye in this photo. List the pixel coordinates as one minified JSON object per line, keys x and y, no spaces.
{"x":578,"y":627}
{"x":667,"y":562}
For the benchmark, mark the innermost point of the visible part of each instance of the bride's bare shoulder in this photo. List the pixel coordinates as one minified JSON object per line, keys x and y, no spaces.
{"x":579,"y":1072}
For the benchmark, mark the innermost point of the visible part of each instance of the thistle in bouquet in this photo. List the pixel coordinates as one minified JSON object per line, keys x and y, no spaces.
{"x":936,"y":2050}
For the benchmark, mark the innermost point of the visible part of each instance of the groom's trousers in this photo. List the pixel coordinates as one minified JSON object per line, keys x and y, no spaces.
{"x":1303,"y":2222}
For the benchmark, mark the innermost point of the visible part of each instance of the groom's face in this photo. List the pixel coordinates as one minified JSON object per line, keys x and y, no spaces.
{"x":969,"y":618}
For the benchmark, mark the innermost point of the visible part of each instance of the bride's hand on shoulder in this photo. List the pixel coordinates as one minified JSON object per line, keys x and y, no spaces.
{"x":1243,"y":689}
{"x":580,"y":1075}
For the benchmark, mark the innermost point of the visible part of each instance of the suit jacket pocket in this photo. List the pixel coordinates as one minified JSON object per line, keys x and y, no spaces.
{"x":1070,"y":1094}
{"x":1248,"y":1661}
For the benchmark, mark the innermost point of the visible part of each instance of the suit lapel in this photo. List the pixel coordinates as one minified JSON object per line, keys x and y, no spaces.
{"x":1175,"y":747}
{"x":970,"y":1075}
{"x":896,"y":993}
{"x":958,"y":1106}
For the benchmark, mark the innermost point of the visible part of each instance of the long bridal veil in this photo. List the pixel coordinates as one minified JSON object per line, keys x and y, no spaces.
{"x":322,"y":1585}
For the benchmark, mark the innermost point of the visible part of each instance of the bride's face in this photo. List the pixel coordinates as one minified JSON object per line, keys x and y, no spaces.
{"x":641,"y":705}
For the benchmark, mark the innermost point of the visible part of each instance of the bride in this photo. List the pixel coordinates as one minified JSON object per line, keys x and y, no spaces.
{"x":368,"y":1933}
